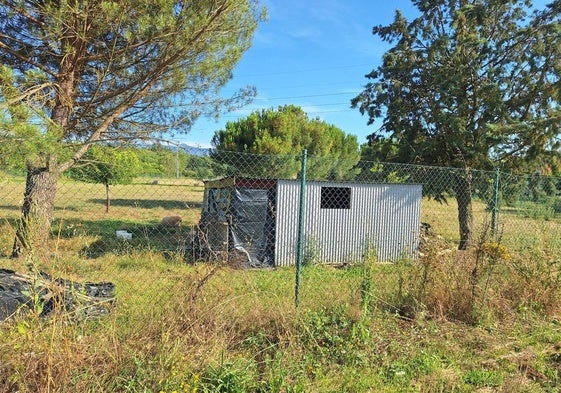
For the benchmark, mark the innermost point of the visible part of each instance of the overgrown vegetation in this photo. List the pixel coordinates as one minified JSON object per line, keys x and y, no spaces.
{"x":453,"y":321}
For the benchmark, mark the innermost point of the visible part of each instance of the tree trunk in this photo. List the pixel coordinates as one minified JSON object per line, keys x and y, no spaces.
{"x":37,"y":210}
{"x":107,"y":200}
{"x":463,"y":190}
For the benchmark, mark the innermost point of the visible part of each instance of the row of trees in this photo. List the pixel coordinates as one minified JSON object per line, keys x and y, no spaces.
{"x":110,"y":165}
{"x":288,"y":130}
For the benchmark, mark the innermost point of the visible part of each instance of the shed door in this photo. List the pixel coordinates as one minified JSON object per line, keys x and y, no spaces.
{"x":252,"y":225}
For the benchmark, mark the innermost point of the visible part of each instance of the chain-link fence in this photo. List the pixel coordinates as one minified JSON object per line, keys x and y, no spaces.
{"x":158,"y":271}
{"x":381,"y":205}
{"x":248,"y":210}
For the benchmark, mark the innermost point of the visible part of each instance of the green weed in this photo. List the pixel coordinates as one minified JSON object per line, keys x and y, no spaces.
{"x":229,"y":376}
{"x":481,"y":378}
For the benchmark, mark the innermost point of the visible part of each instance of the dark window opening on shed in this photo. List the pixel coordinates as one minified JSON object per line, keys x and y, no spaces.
{"x":335,"y":198}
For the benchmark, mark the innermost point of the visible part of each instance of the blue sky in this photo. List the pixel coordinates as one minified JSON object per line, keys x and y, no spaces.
{"x":311,"y":53}
{"x":314,"y":54}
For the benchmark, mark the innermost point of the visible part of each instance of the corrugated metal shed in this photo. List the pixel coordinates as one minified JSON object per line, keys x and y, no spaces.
{"x":385,"y":217}
{"x":342,"y":220}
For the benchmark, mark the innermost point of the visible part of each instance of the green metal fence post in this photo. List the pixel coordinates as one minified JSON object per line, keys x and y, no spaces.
{"x":495,"y":206}
{"x":301,"y":217}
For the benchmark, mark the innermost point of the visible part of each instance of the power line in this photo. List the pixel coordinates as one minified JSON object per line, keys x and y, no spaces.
{"x":284,"y":87}
{"x":303,"y":70}
{"x":230,"y":116}
{"x":307,"y":96}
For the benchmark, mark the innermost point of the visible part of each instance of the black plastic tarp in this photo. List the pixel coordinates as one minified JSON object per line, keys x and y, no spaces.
{"x":249,"y":213}
{"x":251,"y":225}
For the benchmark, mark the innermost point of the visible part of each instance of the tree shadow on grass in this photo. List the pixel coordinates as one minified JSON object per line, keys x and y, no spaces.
{"x":146,"y":236}
{"x":10,"y":207}
{"x":150,"y":203}
{"x":151,"y":236}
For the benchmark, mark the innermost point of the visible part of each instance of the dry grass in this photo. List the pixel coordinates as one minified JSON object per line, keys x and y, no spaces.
{"x":242,"y":326}
{"x":81,"y":221}
{"x":179,"y":327}
{"x":484,"y":320}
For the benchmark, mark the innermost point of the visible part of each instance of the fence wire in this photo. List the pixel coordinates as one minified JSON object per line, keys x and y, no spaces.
{"x":242,"y":210}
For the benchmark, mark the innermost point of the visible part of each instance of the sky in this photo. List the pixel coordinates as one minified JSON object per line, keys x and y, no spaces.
{"x":313,"y":54}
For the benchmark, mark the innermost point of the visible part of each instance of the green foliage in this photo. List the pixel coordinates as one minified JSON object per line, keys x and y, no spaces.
{"x":100,"y":71}
{"x":22,"y":140}
{"x":481,"y":378}
{"x":202,"y":167}
{"x":334,"y":337}
{"x":282,"y":132}
{"x":147,"y":65}
{"x":229,"y":377}
{"x":160,"y":160}
{"x":465,"y":84}
{"x":402,"y":371}
{"x":385,"y":173}
{"x":107,"y":165}
{"x":311,"y":251}
{"x":366,"y":286}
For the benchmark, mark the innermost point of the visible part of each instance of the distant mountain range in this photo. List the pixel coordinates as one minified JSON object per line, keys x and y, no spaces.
{"x":194,"y":150}
{"x":189,"y":149}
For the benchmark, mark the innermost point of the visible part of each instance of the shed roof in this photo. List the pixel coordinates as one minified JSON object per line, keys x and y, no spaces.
{"x":258,"y":183}
{"x":242,"y":182}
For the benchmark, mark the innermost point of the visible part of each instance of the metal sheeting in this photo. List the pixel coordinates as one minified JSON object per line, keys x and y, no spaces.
{"x":286,"y":222}
{"x":385,"y":217}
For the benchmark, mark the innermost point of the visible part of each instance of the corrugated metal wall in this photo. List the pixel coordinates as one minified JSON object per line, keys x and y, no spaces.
{"x":383,"y":216}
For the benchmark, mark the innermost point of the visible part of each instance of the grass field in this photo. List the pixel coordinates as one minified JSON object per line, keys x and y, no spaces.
{"x":81,"y":222}
{"x":480,"y":321}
